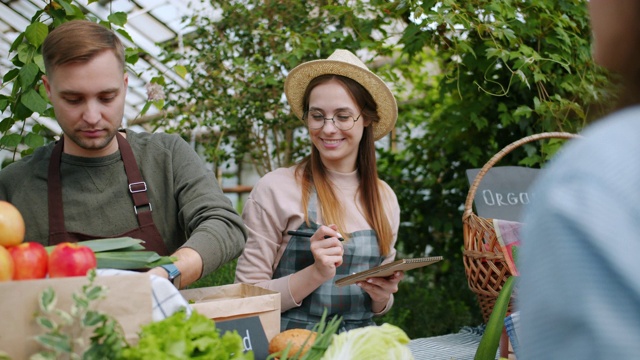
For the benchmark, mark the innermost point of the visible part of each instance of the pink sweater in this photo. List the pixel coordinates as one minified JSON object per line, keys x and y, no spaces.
{"x":275,"y":207}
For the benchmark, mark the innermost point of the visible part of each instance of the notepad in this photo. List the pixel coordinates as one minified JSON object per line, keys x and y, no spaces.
{"x":388,"y":269}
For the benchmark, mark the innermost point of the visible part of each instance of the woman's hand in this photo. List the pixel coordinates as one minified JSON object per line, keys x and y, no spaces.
{"x":327,"y":252}
{"x":327,"y":255}
{"x":381,"y":288}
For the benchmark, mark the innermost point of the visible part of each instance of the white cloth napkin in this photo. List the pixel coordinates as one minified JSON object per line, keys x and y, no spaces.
{"x":165,"y":298}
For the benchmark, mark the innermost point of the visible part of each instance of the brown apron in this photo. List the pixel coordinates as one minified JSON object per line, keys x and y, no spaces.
{"x":137,"y":187}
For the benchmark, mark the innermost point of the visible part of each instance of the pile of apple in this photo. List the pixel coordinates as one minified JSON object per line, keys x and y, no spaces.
{"x":20,"y":260}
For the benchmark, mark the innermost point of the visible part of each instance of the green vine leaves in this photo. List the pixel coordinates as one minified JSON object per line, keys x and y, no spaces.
{"x":28,"y":99}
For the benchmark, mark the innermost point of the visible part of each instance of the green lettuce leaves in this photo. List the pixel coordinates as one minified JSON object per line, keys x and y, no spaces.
{"x":180,"y":336}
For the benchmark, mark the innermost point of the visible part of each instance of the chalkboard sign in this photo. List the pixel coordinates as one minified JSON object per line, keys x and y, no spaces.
{"x":503,"y":191}
{"x":252,"y":334}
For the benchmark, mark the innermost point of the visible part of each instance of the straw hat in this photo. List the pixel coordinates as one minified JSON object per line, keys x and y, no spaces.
{"x":345,"y":63}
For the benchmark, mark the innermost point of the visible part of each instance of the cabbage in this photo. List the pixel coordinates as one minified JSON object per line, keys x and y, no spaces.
{"x":384,"y":342}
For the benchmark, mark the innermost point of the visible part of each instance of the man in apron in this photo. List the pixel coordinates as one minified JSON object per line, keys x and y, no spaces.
{"x":100,"y":181}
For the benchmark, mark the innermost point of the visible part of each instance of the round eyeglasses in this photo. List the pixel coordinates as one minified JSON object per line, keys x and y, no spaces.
{"x":341,"y":120}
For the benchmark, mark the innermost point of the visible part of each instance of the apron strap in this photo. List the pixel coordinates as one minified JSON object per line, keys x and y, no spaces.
{"x":56,"y":212}
{"x":137,"y":188}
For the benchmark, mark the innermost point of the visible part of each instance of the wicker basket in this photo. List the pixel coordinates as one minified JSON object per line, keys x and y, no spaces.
{"x":484,"y":261}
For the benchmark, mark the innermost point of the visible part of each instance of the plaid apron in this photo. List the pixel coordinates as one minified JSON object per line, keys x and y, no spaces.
{"x":361,"y":252}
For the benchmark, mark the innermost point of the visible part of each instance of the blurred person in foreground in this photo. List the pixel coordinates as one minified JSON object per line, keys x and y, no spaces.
{"x":579,"y":292}
{"x":334,"y":191}
{"x":101,"y":181}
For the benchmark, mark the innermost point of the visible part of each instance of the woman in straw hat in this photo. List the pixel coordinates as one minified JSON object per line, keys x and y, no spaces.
{"x":346,"y":108}
{"x":580,"y":285}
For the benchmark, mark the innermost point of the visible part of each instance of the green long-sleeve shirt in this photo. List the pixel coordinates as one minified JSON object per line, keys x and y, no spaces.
{"x":189,"y":208}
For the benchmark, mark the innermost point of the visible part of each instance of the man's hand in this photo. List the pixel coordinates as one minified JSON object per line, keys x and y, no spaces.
{"x":189,"y":263}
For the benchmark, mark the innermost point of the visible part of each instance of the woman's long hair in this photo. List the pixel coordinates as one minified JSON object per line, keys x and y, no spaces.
{"x":313,"y":175}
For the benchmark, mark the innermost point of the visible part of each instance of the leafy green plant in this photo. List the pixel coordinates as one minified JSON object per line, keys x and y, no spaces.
{"x":490,"y":340}
{"x":65,"y":331}
{"x":479,"y":75}
{"x":237,"y":63}
{"x":183,"y":336}
{"x":28,"y":95}
{"x":84,"y":333}
{"x":499,"y":71}
{"x":325,"y":329}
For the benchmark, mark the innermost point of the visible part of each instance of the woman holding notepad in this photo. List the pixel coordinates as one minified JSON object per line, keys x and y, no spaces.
{"x":345,"y":108}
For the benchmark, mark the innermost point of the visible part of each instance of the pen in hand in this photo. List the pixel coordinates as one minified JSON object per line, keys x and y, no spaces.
{"x":307,"y":234}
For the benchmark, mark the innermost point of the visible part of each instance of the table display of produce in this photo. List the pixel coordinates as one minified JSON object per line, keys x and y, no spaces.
{"x":386,"y":342}
{"x":80,"y":324}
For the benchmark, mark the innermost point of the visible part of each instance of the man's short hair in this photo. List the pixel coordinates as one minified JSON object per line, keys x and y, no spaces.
{"x":79,"y":41}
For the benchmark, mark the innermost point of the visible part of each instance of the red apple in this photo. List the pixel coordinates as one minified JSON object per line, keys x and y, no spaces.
{"x":70,"y":259}
{"x":30,"y":260}
{"x":6,"y":265}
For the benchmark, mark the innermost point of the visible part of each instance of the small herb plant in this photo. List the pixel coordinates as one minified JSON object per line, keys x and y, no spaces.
{"x":86,"y":334}
{"x":325,"y":330}
{"x":65,"y":331}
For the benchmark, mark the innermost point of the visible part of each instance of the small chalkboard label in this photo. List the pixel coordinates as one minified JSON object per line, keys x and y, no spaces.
{"x":503,"y":191}
{"x":252,"y":334}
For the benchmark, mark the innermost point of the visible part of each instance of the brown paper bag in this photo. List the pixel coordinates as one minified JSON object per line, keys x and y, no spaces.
{"x":235,"y":301}
{"x":128,"y":300}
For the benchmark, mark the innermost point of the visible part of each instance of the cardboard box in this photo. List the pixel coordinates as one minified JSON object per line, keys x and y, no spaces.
{"x":128,"y":300}
{"x":235,"y":301}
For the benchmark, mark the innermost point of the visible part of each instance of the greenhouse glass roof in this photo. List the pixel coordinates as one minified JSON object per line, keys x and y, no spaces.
{"x":150,"y":22}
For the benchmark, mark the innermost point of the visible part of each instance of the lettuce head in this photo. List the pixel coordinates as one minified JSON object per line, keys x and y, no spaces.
{"x":384,"y":342}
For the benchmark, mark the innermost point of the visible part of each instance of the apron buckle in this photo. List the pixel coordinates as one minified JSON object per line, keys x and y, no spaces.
{"x":135,"y":207}
{"x":135,"y":184}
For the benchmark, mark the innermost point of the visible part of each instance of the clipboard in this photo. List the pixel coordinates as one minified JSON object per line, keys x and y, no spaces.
{"x":388,"y":269}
